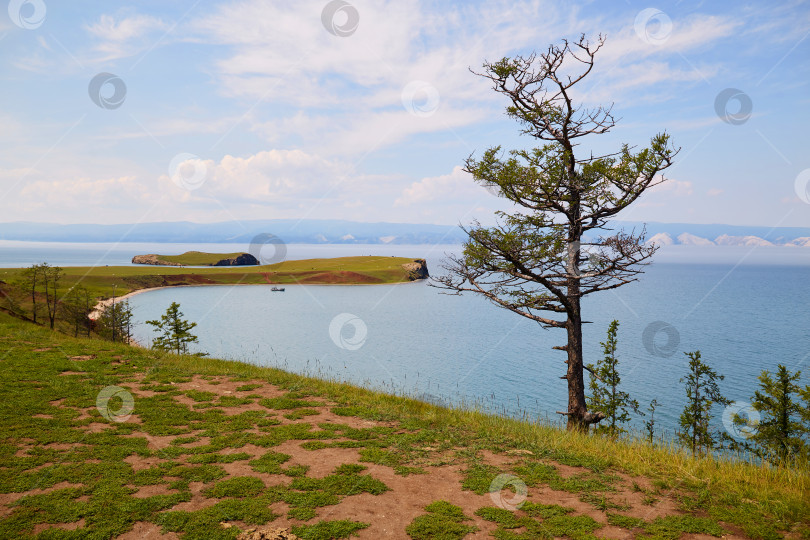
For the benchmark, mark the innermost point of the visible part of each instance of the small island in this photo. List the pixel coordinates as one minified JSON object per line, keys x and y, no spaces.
{"x":197,"y":258}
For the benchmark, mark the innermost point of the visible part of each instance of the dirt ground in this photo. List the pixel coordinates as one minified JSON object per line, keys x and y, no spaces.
{"x":389,"y":513}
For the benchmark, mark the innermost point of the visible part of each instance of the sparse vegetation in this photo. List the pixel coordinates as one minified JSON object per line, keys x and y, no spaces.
{"x":174,"y":331}
{"x":605,"y":395}
{"x":79,"y":465}
{"x":198,"y":258}
{"x":780,"y":436}
{"x":702,"y":392}
{"x":443,"y":521}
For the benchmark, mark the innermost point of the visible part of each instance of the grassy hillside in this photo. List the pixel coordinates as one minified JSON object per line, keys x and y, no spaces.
{"x":341,"y":270}
{"x":205,"y":448}
{"x":198,"y":258}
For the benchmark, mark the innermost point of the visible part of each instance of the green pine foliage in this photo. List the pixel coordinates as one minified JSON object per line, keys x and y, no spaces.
{"x":702,"y":392}
{"x":605,"y":394}
{"x":175,"y":334}
{"x":649,"y":425}
{"x":781,"y":433}
{"x":115,"y":322}
{"x":76,"y":305}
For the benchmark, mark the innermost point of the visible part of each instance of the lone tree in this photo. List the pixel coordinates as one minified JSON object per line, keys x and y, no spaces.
{"x":533,"y":260}
{"x":605,"y":394}
{"x":702,"y":391}
{"x":51,"y":276}
{"x":175,"y":332}
{"x":30,"y":278}
{"x":779,"y":436}
{"x":649,"y":425}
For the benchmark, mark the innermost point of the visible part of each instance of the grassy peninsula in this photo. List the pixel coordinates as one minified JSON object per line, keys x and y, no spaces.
{"x":195,"y":258}
{"x":101,"y":439}
{"x":100,"y":281}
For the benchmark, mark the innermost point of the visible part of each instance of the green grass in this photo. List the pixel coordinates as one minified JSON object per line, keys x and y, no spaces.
{"x":327,"y":530}
{"x":443,"y":521}
{"x":101,"y":280}
{"x":346,"y":480}
{"x":539,"y":522}
{"x":669,"y":527}
{"x":285,"y":403}
{"x":198,"y":258}
{"x":47,"y":402}
{"x":300,"y":413}
{"x":205,"y":524}
{"x":241,"y":486}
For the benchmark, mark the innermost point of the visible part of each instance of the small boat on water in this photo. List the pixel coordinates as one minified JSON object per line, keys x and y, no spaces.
{"x":277,"y":289}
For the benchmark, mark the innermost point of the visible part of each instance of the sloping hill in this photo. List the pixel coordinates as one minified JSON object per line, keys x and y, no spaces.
{"x":104,"y":440}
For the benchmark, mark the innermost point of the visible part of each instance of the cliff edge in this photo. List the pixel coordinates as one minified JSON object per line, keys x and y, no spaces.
{"x":417,"y":269}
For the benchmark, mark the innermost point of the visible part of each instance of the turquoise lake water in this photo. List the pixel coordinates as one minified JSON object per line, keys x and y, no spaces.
{"x":746,"y":310}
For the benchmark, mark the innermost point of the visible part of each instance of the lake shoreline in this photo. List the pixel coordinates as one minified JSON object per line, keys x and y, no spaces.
{"x":106,"y":302}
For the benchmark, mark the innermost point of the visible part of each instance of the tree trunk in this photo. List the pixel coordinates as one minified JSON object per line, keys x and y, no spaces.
{"x":34,"y":297}
{"x":576,"y":384}
{"x":578,"y":416}
{"x":51,"y":310}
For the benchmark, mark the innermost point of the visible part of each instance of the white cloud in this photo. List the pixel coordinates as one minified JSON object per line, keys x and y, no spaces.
{"x":674,"y":188}
{"x":270,"y":177}
{"x":660,"y":195}
{"x":151,"y":127}
{"x":686,"y":35}
{"x":363,"y":132}
{"x":458,"y":185}
{"x":108,"y":29}
{"x":273,"y":183}
{"x":347,"y":91}
{"x":628,"y":68}
{"x":123,"y":37}
{"x":287,"y":183}
{"x":253,"y":75}
{"x":714,"y":192}
{"x":111,"y":193}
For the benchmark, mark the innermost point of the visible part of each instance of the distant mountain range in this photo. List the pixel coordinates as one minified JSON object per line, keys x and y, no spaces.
{"x":291,"y":231}
{"x":312,"y":231}
{"x":686,"y":239}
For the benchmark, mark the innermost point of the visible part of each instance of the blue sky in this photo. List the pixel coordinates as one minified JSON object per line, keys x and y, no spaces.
{"x":365,"y":111}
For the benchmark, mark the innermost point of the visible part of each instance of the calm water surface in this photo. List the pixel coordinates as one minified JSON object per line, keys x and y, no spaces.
{"x":412,"y":339}
{"x":746,"y":310}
